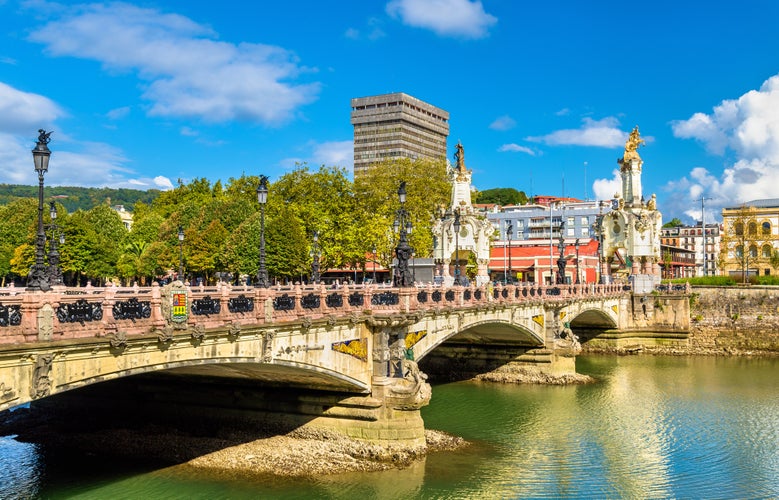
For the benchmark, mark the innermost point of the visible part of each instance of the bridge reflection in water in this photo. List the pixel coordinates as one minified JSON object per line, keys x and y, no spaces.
{"x":337,"y":359}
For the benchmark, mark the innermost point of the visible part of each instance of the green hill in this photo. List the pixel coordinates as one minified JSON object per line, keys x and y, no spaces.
{"x":75,"y":198}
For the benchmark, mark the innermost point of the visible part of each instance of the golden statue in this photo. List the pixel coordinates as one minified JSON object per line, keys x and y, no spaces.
{"x":632,"y":145}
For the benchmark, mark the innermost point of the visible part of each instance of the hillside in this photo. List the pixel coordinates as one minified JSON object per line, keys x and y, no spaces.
{"x":75,"y":198}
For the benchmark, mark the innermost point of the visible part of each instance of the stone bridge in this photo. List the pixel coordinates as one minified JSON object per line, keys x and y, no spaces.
{"x":342,"y":359}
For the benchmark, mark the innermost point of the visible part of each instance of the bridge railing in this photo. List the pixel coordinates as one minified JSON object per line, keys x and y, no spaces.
{"x":86,"y":312}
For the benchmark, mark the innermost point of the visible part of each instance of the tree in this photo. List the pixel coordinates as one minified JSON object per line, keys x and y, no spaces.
{"x":376,"y":192}
{"x":502,"y":196}
{"x":673,"y":223}
{"x":739,"y":240}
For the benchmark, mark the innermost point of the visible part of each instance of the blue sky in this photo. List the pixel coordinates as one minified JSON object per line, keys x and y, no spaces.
{"x":541,"y":94}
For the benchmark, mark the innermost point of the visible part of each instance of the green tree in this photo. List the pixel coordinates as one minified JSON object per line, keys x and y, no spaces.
{"x":427,"y":188}
{"x":501,"y":196}
{"x":673,"y":223}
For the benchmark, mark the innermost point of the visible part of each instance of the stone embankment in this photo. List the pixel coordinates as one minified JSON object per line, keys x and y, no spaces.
{"x":739,"y":321}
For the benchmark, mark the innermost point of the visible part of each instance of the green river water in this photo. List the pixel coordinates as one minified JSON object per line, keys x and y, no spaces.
{"x":652,"y":427}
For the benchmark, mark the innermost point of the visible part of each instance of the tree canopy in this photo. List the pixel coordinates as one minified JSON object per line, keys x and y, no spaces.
{"x":221,"y":226}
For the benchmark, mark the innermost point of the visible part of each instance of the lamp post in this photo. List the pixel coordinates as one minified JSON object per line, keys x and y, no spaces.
{"x":181,"y":253}
{"x":402,"y":275}
{"x":55,"y":273}
{"x":456,"y":226}
{"x":38,"y":278}
{"x":315,"y":259}
{"x":374,"y":264}
{"x":262,"y":198}
{"x":576,"y":246}
{"x":509,"y":233}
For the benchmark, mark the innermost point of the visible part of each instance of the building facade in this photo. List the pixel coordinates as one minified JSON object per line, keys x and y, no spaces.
{"x":530,"y":250}
{"x":706,"y":247}
{"x":391,"y":126}
{"x":749,"y":239}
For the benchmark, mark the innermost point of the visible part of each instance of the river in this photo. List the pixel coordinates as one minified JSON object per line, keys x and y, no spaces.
{"x":652,"y":427}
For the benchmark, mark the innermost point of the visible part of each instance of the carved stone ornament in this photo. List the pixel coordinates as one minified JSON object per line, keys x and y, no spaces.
{"x":198,"y":332}
{"x":166,"y":334}
{"x":354,"y":319}
{"x":332,"y":320}
{"x":235,"y":330}
{"x":118,"y":340}
{"x":394,"y":320}
{"x":6,"y":393}
{"x":267,"y":345}
{"x":305,"y":324}
{"x":41,"y":384}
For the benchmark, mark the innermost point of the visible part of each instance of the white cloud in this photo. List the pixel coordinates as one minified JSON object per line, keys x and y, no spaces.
{"x":605,"y":189}
{"x":600,"y":133}
{"x":455,"y":18}
{"x":563,"y":112}
{"x":335,"y":153}
{"x":516,"y":148}
{"x":331,"y":154}
{"x":118,"y":113}
{"x":749,"y":128}
{"x":188,"y":73}
{"x":502,"y":123}
{"x":24,"y":113}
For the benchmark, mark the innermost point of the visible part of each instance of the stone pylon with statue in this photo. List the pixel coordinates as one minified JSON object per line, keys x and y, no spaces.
{"x":630,"y":233}
{"x":461,"y":237}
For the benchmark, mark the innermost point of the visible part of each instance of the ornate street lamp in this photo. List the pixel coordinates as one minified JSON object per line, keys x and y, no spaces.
{"x":456,"y":226}
{"x":38,"y":278}
{"x":374,"y":264}
{"x":55,"y":273}
{"x":181,"y":253}
{"x":576,"y":245}
{"x":403,"y":276}
{"x":315,"y":256}
{"x":262,"y":198}
{"x":509,"y":233}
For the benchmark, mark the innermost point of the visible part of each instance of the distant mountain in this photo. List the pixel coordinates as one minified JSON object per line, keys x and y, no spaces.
{"x":75,"y":198}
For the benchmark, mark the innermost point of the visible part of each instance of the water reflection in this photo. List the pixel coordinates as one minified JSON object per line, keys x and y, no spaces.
{"x":652,"y":427}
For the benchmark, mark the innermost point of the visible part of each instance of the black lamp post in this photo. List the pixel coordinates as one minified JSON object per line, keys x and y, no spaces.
{"x":55,"y":273}
{"x":374,"y":264}
{"x":403,"y":276}
{"x":38,"y":278}
{"x":181,"y":253}
{"x":509,"y":233}
{"x":456,"y":225}
{"x":576,"y":245}
{"x":315,"y":259}
{"x":262,"y":198}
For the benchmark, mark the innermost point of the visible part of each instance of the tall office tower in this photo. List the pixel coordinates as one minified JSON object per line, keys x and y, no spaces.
{"x":394,"y":126}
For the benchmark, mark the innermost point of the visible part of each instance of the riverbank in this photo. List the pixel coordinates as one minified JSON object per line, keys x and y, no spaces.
{"x":306,"y":453}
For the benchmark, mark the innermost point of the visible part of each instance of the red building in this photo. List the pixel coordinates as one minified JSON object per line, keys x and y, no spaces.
{"x":531,"y":262}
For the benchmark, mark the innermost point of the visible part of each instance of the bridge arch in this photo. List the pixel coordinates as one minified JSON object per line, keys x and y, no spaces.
{"x":484,"y":332}
{"x":594,"y":318}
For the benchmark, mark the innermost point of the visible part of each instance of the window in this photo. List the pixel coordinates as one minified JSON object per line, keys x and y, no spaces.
{"x":520,"y":224}
{"x":571,"y":231}
{"x":753,"y":228}
{"x":766,"y":228}
{"x":571,"y":221}
{"x":740,"y":251}
{"x":585,"y":231}
{"x":739,"y":229}
{"x":585,"y":221}
{"x":753,"y":251}
{"x":766,"y":253}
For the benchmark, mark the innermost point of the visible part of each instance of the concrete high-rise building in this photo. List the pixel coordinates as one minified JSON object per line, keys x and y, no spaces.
{"x":395,"y":126}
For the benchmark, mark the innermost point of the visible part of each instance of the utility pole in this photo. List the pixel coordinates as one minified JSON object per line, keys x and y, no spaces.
{"x":703,"y":226}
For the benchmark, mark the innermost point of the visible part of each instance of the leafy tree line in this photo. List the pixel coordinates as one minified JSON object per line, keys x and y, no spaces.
{"x":79,"y":198}
{"x":221,"y":225}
